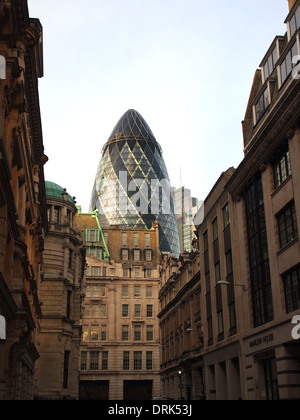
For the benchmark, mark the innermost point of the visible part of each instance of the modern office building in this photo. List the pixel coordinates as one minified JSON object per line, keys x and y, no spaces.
{"x":119,"y":352}
{"x":132,"y":186}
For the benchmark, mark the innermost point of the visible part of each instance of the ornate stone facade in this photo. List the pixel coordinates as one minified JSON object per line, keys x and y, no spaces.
{"x":23,"y":220}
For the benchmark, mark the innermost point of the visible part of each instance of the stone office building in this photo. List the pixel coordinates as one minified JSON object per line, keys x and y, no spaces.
{"x":23,"y":213}
{"x":119,"y":357}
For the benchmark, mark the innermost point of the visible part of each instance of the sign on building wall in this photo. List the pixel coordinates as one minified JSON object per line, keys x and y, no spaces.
{"x":2,"y":67}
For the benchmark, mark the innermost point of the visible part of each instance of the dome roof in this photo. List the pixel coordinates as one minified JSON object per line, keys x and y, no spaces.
{"x":55,"y":191}
{"x":131,"y":126}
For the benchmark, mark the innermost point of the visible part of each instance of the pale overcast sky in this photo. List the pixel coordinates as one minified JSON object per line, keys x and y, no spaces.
{"x":185,"y":65}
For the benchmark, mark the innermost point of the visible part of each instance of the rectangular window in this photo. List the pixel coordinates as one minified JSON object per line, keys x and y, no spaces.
{"x":92,"y":235}
{"x":295,"y":21}
{"x":149,"y":362}
{"x":147,"y":239}
{"x":135,"y":239}
{"x":126,"y":272}
{"x":96,"y":271}
{"x":69,"y":302}
{"x":94,"y":360}
{"x":137,"y":291}
{"x":126,"y":360}
{"x":149,"y":291}
{"x":215,"y":229}
{"x":85,"y":333}
{"x":137,"y":333}
{"x":125,"y":332}
{"x":124,"y":238}
{"x":56,"y":215}
{"x":103,"y":332}
{"x":125,"y":291}
{"x":83,"y":360}
{"x":287,"y":225}
{"x":94,"y":334}
{"x":270,"y":64}
{"x":125,"y":310}
{"x":262,"y":104}
{"x":105,"y":360}
{"x":217,"y":273}
{"x":137,"y":360}
{"x":125,"y":254}
{"x":148,"y":273}
{"x":288,"y":65}
{"x":137,"y":311}
{"x":66,"y":369}
{"x":226,"y":215}
{"x":220,"y":323}
{"x":148,"y":255}
{"x":103,"y":311}
{"x":291,"y":282}
{"x":149,"y":311}
{"x":258,"y":252}
{"x":281,"y":167}
{"x":149,"y":332}
{"x":137,"y":255}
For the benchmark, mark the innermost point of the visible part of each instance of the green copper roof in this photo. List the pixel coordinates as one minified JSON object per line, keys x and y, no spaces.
{"x":55,"y":191}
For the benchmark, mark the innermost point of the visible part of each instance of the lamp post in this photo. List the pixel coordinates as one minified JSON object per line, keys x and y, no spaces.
{"x":226,"y":283}
{"x":180,"y":383}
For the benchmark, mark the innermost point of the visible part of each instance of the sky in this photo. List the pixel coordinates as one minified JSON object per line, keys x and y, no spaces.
{"x":186,"y":66}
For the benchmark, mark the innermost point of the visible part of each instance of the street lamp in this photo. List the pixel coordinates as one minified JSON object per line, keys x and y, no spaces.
{"x":180,"y":383}
{"x":226,"y":283}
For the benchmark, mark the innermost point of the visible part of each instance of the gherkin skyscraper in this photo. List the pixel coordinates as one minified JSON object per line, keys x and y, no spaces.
{"x":132,"y":186}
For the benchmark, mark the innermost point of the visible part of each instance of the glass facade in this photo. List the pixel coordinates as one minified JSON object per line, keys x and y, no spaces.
{"x":132,"y":186}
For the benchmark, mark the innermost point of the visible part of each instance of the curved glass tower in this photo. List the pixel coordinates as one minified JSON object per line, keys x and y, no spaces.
{"x":132,"y":186}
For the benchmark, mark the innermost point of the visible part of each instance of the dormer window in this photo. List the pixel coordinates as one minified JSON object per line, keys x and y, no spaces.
{"x":262,"y":104}
{"x":270,"y":63}
{"x":295,"y":22}
{"x":287,"y":64}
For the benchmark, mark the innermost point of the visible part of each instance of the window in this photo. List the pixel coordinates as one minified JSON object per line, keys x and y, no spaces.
{"x":282,"y":167}
{"x":137,"y":333}
{"x":92,"y":235}
{"x":149,"y":311}
{"x":105,"y":234}
{"x":137,"y":360}
{"x":149,"y":332}
{"x":126,"y":360}
{"x":94,"y":360}
{"x":104,"y":274}
{"x":135,"y":239}
{"x":126,"y":272}
{"x":215,"y":229}
{"x":125,"y":332}
{"x":229,"y":265}
{"x":125,"y":310}
{"x":137,"y":255}
{"x":125,"y":254}
{"x":105,"y":360}
{"x":149,"y":291}
{"x":262,"y":105}
{"x":258,"y":252}
{"x":96,"y":271}
{"x":287,"y":225}
{"x":220,"y":323}
{"x":137,"y":311}
{"x":103,"y":332}
{"x":226,"y":215}
{"x":149,"y":357}
{"x":124,"y":238}
{"x":217,"y":273}
{"x":205,"y":241}
{"x":83,"y":360}
{"x":71,"y":253}
{"x":291,"y":282}
{"x":270,"y":64}
{"x":85,"y":333}
{"x":287,"y":65}
{"x":66,"y":369}
{"x":137,"y":291}
{"x":148,"y":255}
{"x":103,"y":310}
{"x":56,"y":215}
{"x":94,"y":334}
{"x":69,"y":300}
{"x":295,"y":21}
{"x":147,"y":239}
{"x":148,"y":273}
{"x":95,"y":310}
{"x":125,"y":291}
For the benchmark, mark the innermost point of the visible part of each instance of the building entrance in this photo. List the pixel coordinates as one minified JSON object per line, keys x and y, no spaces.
{"x":137,"y":390}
